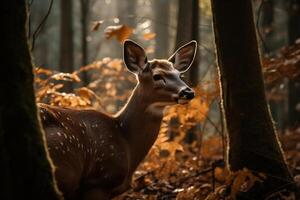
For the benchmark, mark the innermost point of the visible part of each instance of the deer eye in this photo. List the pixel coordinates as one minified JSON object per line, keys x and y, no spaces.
{"x":157,"y":77}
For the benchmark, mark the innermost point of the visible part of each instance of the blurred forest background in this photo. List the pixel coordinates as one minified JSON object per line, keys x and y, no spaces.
{"x":77,"y":48}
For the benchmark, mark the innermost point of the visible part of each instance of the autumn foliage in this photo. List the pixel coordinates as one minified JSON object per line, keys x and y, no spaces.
{"x":187,"y":160}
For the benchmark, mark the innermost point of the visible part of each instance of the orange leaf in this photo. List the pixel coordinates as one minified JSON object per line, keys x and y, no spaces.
{"x":149,"y":36}
{"x":122,"y":32}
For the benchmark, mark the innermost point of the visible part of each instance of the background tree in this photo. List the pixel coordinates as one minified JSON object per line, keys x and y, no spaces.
{"x":66,"y":39}
{"x":162,"y":13}
{"x":25,"y":169}
{"x":187,"y":30}
{"x":294,"y":85}
{"x":84,"y":8}
{"x":253,"y":142}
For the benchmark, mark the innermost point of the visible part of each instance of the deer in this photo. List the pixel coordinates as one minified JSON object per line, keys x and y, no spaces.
{"x":95,"y":154}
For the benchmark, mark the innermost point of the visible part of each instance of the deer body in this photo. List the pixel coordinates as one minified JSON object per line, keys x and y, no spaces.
{"x":96,"y":154}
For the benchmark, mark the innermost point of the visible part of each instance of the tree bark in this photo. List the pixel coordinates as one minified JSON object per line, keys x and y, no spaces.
{"x":162,"y":12}
{"x":25,"y":167}
{"x":294,"y":85}
{"x":187,"y":30}
{"x":66,"y":40}
{"x":252,"y":139}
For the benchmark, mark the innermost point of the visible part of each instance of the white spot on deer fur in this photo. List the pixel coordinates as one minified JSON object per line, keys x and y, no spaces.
{"x":111,"y":146}
{"x":94,"y":125}
{"x":102,"y":142}
{"x":63,"y":152}
{"x":61,"y":143}
{"x":58,"y":133}
{"x":44,"y":117}
{"x":68,"y":118}
{"x":68,"y":149}
{"x":56,"y":147}
{"x":82,"y":131}
{"x":65,"y":135}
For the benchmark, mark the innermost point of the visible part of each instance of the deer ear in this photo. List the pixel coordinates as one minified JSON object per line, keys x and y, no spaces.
{"x":134,"y":56}
{"x":183,"y":58}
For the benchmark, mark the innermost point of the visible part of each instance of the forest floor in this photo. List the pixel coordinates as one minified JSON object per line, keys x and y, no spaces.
{"x":196,"y":171}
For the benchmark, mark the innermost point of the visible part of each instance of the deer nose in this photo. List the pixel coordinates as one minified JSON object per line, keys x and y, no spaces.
{"x":187,"y":93}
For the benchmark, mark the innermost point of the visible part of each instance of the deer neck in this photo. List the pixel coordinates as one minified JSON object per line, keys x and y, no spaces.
{"x":140,"y":121}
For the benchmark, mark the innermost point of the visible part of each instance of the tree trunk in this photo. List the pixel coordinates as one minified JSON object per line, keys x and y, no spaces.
{"x":162,"y":12}
{"x":267,"y":23}
{"x":84,"y":6}
{"x":25,"y":169}
{"x":66,"y":40}
{"x":253,"y":142}
{"x":187,"y":30}
{"x":294,"y":85}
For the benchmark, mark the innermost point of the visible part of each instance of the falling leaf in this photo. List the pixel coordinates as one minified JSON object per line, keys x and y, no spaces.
{"x":96,"y":25}
{"x":149,"y":36}
{"x":66,"y":77}
{"x":121,"y":32}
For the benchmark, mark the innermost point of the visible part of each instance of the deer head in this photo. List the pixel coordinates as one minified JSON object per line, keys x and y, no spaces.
{"x":160,"y":79}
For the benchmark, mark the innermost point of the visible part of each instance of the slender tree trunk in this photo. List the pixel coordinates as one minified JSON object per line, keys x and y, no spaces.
{"x":267,"y":22}
{"x":294,"y":85}
{"x":25,"y":169}
{"x":162,"y":13}
{"x":187,"y":30}
{"x":84,"y":6}
{"x":253,"y":142}
{"x":66,"y":39}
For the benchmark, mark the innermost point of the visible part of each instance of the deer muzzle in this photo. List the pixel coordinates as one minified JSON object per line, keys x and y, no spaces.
{"x":185,"y":95}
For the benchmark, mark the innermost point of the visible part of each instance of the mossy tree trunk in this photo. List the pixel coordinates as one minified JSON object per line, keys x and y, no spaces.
{"x":252,"y":138}
{"x":25,"y":170}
